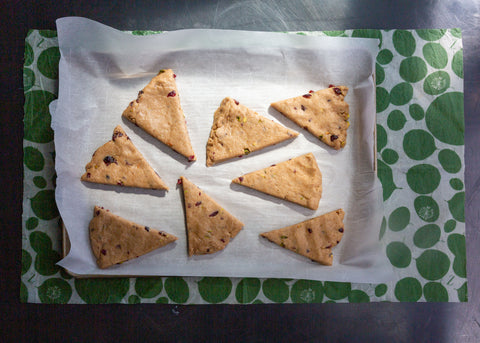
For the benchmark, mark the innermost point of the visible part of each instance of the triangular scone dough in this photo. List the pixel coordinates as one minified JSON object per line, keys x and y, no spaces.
{"x":323,"y":113}
{"x":115,"y":239}
{"x":118,"y":162}
{"x":313,"y":238}
{"x":298,"y":180}
{"x":238,"y":130}
{"x":209,"y":226}
{"x":157,"y":110}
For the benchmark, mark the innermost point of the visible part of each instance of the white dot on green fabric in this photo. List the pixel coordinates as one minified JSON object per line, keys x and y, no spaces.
{"x":426,"y":208}
{"x":436,"y":83}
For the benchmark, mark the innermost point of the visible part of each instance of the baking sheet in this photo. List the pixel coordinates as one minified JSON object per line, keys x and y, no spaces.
{"x":102,"y":70}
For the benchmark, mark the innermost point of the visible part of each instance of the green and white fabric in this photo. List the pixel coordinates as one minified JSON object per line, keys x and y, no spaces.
{"x":420,"y":143}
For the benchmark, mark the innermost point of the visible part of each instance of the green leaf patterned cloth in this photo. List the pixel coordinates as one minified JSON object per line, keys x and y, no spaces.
{"x":420,"y":146}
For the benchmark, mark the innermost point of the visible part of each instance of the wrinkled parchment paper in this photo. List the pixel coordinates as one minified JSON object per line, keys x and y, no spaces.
{"x":102,"y":70}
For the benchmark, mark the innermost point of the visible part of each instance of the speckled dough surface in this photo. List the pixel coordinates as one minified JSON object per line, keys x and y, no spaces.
{"x":238,"y":130}
{"x":313,"y":238}
{"x":209,"y":226}
{"x":323,"y":113}
{"x":157,"y":110}
{"x":115,"y":239}
{"x":298,"y":180}
{"x":118,"y":162}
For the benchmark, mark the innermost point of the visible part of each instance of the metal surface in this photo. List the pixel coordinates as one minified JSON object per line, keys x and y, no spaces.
{"x":383,"y":322}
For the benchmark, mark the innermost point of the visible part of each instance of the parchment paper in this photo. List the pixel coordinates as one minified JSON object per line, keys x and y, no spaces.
{"x":102,"y":70}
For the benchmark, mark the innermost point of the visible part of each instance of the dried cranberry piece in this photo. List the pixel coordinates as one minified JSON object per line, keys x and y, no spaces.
{"x":308,"y":95}
{"x":236,"y":102}
{"x":303,"y":108}
{"x":328,"y":247}
{"x":333,"y":137}
{"x":221,"y":239}
{"x":88,"y":175}
{"x":309,"y":230}
{"x":191,"y":158}
{"x":240,"y":179}
{"x":103,"y":251}
{"x":174,"y":76}
{"x":311,"y":91}
{"x":109,"y":159}
{"x":179,"y":181}
{"x":198,"y":203}
{"x":337,"y":91}
{"x":341,"y":229}
{"x":331,"y":86}
{"x":116,"y":134}
{"x":171,"y":94}
{"x":213,"y":214}
{"x":120,"y":183}
{"x":97,"y":213}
